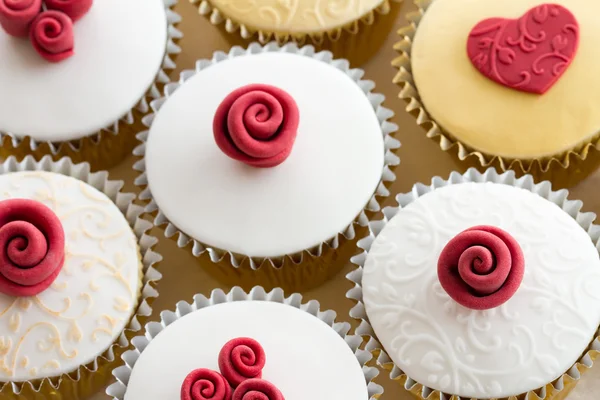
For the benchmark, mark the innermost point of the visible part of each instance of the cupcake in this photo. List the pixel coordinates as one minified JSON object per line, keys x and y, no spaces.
{"x":508,"y":83}
{"x":75,"y":274}
{"x":481,"y":287}
{"x":248,"y":353}
{"x":77,"y":74}
{"x":268,"y":162}
{"x":354,"y":30}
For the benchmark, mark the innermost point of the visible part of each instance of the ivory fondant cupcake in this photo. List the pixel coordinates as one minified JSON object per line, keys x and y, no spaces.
{"x":482,"y":287}
{"x":507,"y":84}
{"x":259,"y":346}
{"x":351,"y":29}
{"x":74,"y":261}
{"x":270,"y":161}
{"x":77,"y":74}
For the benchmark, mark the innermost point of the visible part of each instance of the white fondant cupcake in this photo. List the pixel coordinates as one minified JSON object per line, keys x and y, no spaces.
{"x":270,"y":161}
{"x":77,"y":74}
{"x":227,"y":345}
{"x":76,"y":274}
{"x":482,"y":286}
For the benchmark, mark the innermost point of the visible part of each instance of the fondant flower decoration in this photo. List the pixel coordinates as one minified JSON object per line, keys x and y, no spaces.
{"x":17,"y":15}
{"x":32,"y":247}
{"x":75,"y":9}
{"x":51,"y":35}
{"x":481,"y":268}
{"x":205,"y":384}
{"x":257,"y":125}
{"x":530,"y":53}
{"x":241,"y":359}
{"x":49,"y":24}
{"x":257,"y":389}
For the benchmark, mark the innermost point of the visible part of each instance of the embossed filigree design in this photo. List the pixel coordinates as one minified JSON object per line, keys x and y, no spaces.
{"x":88,"y":305}
{"x":528,"y":54}
{"x":520,"y":346}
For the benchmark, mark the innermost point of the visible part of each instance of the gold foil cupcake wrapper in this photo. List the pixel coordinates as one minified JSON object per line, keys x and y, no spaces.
{"x":556,"y":390}
{"x":110,"y":145}
{"x":257,"y":293}
{"x":349,"y":40}
{"x":564,"y":169}
{"x":294,"y":272}
{"x":90,"y":378}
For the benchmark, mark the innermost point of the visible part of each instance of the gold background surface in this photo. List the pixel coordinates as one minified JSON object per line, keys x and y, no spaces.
{"x":421,"y":159}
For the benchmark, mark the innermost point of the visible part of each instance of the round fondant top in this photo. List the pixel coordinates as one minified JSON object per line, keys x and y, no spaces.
{"x":523,"y":344}
{"x":119,"y":49}
{"x":91,"y":300}
{"x":305,"y":358}
{"x":491,"y":117}
{"x":333,"y":170}
{"x":305,"y":16}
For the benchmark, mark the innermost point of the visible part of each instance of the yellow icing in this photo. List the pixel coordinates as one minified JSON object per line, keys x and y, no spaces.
{"x":492,"y":118}
{"x":305,"y":16}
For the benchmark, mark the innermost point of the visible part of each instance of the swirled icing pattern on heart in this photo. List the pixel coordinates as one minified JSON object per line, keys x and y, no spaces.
{"x":241,"y":359}
{"x":52,"y":35}
{"x":75,"y":9}
{"x":519,"y":346}
{"x":32,"y":247}
{"x":205,"y":384}
{"x":17,"y":15}
{"x":257,"y":124}
{"x":528,"y":54}
{"x":481,"y":267}
{"x":257,"y":389}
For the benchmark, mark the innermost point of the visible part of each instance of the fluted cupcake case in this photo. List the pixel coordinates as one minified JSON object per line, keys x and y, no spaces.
{"x":564,"y":168}
{"x":353,"y":30}
{"x":291,"y":271}
{"x":554,"y":334}
{"x":82,"y":380}
{"x":82,"y":141}
{"x":125,"y":374}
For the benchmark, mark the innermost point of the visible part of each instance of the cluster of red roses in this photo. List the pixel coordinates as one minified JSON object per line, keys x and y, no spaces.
{"x":241,"y":362}
{"x":48,"y":23}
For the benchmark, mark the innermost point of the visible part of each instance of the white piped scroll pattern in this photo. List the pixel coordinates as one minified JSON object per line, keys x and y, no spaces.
{"x":520,"y":346}
{"x":93,"y":297}
{"x":296,"y":14}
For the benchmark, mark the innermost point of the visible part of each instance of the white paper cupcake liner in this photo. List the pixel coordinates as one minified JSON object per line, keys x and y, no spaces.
{"x":133,"y":213}
{"x":162,"y":77}
{"x":383,"y":115}
{"x":217,"y":296}
{"x":544,"y":189}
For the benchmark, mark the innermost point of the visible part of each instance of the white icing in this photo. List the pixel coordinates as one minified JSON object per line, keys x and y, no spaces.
{"x":306,"y":359}
{"x":334,"y":168}
{"x":92,"y":299}
{"x":119,"y":49}
{"x":531,"y":340}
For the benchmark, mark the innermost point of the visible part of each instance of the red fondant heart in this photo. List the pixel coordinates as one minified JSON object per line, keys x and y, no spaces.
{"x":528,"y":54}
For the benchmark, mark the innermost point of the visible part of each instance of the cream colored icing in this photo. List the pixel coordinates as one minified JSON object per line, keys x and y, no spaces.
{"x":492,"y":118}
{"x":295,"y":15}
{"x":94,"y":296}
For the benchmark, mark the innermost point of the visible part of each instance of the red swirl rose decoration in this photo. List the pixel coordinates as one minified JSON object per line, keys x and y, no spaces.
{"x":241,"y":359}
{"x":48,"y":23}
{"x":241,"y":362}
{"x":205,"y":384}
{"x":257,"y":389}
{"x":52,"y":35}
{"x":257,"y":125}
{"x":75,"y":9}
{"x":481,"y":268}
{"x":17,"y":15}
{"x":32,"y":247}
